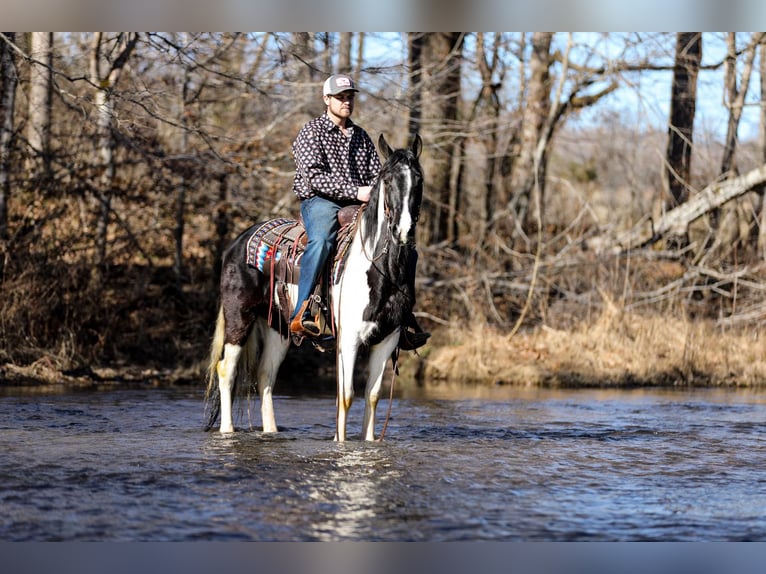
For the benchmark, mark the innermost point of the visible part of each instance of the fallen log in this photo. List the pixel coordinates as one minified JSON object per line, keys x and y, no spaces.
{"x":676,"y":221}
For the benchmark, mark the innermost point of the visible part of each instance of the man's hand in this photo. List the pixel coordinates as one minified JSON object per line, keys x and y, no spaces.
{"x":363,"y":193}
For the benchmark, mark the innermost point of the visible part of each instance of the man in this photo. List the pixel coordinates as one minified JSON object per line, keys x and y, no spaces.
{"x":335,"y":165}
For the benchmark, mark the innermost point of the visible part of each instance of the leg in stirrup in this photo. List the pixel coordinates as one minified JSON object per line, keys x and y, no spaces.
{"x":412,"y":336}
{"x":321,"y":223}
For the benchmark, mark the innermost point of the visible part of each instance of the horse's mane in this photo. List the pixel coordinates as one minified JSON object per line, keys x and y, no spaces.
{"x":370,"y":214}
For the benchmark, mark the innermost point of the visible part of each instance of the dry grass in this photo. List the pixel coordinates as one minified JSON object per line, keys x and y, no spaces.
{"x":616,"y":349}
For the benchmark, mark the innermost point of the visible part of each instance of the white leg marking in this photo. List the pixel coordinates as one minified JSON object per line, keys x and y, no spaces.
{"x":350,"y":298}
{"x":347,"y":350}
{"x":227,"y":370}
{"x":272,"y":355}
{"x":379,"y":355}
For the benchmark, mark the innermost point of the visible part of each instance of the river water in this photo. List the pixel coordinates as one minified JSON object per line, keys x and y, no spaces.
{"x":500,"y":464}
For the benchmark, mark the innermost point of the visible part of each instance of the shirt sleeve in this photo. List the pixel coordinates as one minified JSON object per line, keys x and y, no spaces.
{"x":314,"y":175}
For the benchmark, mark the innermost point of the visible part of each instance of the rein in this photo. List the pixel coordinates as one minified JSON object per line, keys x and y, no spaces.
{"x":384,"y":251}
{"x":394,"y":372}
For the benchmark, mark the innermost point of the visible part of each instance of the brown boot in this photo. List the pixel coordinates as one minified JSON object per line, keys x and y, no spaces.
{"x":303,"y":323}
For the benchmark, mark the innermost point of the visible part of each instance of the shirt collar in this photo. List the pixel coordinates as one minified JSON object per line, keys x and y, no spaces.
{"x":329,"y":125}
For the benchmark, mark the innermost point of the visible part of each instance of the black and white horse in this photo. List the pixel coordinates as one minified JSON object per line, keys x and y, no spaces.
{"x":370,"y":299}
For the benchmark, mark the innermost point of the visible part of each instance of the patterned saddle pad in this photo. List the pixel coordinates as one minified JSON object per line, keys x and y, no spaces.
{"x":280,"y":243}
{"x":272,"y":240}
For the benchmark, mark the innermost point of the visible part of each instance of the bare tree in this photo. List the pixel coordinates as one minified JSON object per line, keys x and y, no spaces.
{"x":484,"y":119}
{"x":525,"y":173}
{"x":761,"y":241}
{"x":8,"y":83}
{"x":735,"y":95}
{"x":435,"y":77}
{"x":360,"y":45}
{"x":108,"y":58}
{"x":683,"y":103}
{"x":729,"y":222}
{"x":305,"y":54}
{"x":40,"y":103}
{"x":344,"y":53}
{"x":182,"y":187}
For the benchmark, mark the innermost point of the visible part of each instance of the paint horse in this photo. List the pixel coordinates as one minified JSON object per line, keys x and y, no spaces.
{"x":370,"y":297}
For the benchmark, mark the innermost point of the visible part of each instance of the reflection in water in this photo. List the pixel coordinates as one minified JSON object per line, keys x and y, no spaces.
{"x":457,"y":464}
{"x":350,"y":488}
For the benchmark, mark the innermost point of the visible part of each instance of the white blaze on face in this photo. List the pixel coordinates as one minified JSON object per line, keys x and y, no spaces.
{"x":405,"y":219}
{"x":381,"y":212}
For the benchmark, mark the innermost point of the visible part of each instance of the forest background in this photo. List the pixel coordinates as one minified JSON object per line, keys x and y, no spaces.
{"x":586,"y":219}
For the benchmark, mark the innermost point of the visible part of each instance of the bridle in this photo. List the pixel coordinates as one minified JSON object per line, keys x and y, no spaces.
{"x":389,"y":226}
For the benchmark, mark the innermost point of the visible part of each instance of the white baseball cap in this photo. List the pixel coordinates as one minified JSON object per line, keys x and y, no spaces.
{"x":338,"y":83}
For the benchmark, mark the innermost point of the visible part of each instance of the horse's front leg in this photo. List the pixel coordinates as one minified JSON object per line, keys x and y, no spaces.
{"x":379,"y":355}
{"x":227,"y":370}
{"x":345,"y":366}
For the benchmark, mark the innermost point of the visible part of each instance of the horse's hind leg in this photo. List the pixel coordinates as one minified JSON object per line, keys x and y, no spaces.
{"x":272,"y":354}
{"x":227,"y":371}
{"x":379,"y":355}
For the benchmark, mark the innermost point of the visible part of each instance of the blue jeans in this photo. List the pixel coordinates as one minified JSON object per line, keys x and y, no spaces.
{"x":320,"y":218}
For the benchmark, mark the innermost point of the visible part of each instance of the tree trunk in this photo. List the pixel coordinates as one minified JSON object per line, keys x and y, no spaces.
{"x":415,"y":65}
{"x":486,"y":109}
{"x":735,"y":97}
{"x":104,"y":75}
{"x":438,"y":87}
{"x":683,"y":103}
{"x":762,"y":140}
{"x":178,"y":233}
{"x":525,"y":171}
{"x":8,"y":84}
{"x":730,"y":222}
{"x":344,"y":53}
{"x":359,"y":54}
{"x":304,"y":53}
{"x":40,"y":104}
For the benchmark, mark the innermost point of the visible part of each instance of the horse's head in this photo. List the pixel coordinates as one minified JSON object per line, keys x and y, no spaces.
{"x":402,"y":180}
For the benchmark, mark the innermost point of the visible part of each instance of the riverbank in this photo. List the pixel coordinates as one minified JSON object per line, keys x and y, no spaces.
{"x":616,"y":349}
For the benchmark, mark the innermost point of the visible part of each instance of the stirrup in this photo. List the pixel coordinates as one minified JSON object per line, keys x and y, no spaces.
{"x":324,"y":344}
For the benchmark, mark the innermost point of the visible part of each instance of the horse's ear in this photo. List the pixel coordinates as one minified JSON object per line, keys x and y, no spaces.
{"x":385,"y":149}
{"x":417,"y":145}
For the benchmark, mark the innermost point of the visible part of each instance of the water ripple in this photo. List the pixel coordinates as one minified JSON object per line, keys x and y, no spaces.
{"x":133,"y":465}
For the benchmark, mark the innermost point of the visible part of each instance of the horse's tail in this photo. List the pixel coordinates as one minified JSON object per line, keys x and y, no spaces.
{"x":212,"y":397}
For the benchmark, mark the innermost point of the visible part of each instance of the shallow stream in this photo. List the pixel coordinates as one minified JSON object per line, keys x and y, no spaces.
{"x":456,"y":464}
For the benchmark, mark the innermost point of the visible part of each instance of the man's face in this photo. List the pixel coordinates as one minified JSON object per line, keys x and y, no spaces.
{"x":341,"y":105}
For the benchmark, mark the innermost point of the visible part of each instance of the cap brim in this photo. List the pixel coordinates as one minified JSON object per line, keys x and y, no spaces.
{"x":336,"y":92}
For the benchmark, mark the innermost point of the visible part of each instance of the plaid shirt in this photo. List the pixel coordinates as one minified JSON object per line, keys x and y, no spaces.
{"x":330,"y":164}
